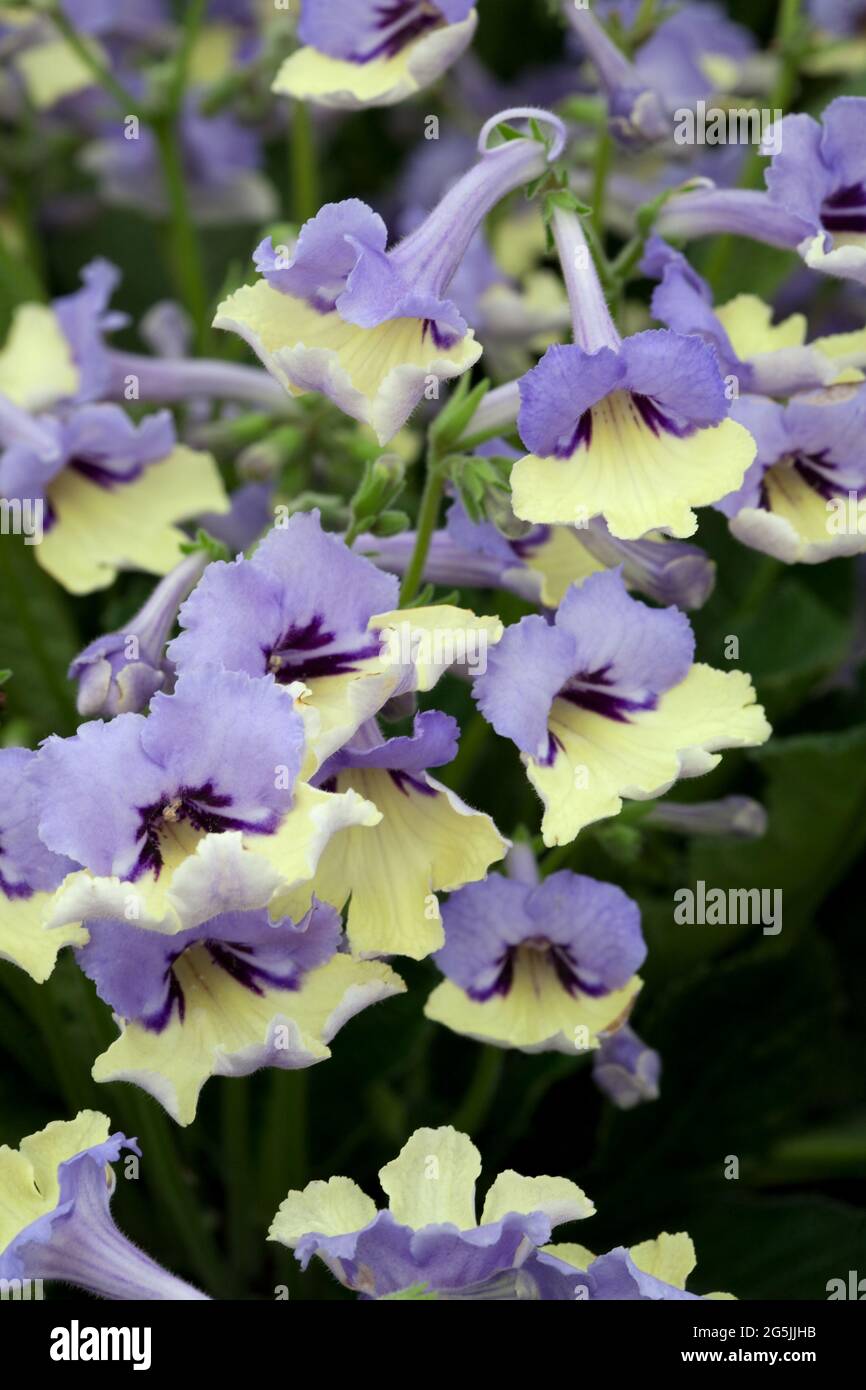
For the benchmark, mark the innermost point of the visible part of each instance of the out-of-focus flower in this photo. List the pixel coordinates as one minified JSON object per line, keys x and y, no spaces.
{"x":803,"y":501}
{"x":634,"y":430}
{"x":307,"y":610}
{"x":233,"y":994}
{"x":368,"y":53}
{"x":106,"y":493}
{"x":193,"y":811}
{"x":367,"y":327}
{"x":29,"y":873}
{"x":428,"y":840}
{"x":606,"y":702}
{"x":626,"y":1070}
{"x":55,"y":1218}
{"x":222,"y":160}
{"x":429,"y":1234}
{"x":816,"y":194}
{"x":735,"y":817}
{"x":540,"y":967}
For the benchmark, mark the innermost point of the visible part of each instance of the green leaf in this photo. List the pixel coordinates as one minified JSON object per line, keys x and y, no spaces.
{"x":39,"y":642}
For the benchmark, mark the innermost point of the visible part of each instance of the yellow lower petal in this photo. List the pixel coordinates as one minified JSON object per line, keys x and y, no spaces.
{"x":24,"y":939}
{"x":29,"y":1187}
{"x":637,"y":480}
{"x":330,"y":1208}
{"x":561,"y":561}
{"x":536,"y":1015}
{"x":36,"y":364}
{"x":602,"y":760}
{"x":376,"y":375}
{"x":432,"y":1179}
{"x":227,"y":1030}
{"x":799,"y":526}
{"x":423,"y":844}
{"x":430,"y":640}
{"x":98,"y":531}
{"x":52,"y":71}
{"x":748,"y":322}
{"x":670,"y":1258}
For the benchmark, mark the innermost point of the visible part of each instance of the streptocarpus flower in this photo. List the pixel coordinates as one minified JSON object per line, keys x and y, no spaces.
{"x":190,"y":812}
{"x":636,"y":111}
{"x":816,"y":194}
{"x":119,"y":672}
{"x":236,"y":993}
{"x":765,"y":358}
{"x":654,"y":1270}
{"x":306,"y":609}
{"x":29,"y":873}
{"x":606,"y":703}
{"x":374,"y":52}
{"x":55,"y":1218}
{"x":428,"y":840}
{"x":429,"y":1234}
{"x":368,"y":327}
{"x":107,"y":493}
{"x":538,"y":966}
{"x":634,"y":430}
{"x":625,"y":1070}
{"x":56,"y":353}
{"x":803,"y":501}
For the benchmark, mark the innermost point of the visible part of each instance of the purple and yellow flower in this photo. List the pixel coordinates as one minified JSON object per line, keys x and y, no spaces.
{"x":311,"y":613}
{"x":541,"y":967}
{"x":368,"y":327}
{"x":763,"y":357}
{"x":236,"y":993}
{"x":374,"y":52}
{"x":55,"y":1217}
{"x":815,"y":201}
{"x":29,"y":873}
{"x":429,"y":1234}
{"x":655,"y":1270}
{"x":191,"y":811}
{"x":803,"y":501}
{"x":615,"y":705}
{"x":633,"y":430}
{"x":427,"y":841}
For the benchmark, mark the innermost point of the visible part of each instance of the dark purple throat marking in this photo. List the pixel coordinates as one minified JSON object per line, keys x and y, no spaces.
{"x":561,"y":958}
{"x":238,"y":960}
{"x":300,"y":654}
{"x":596,"y":692}
{"x":203,"y":807}
{"x":398,"y":22}
{"x":845,"y":210}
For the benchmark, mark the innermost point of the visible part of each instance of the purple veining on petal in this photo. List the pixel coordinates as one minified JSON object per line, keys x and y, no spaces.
{"x":202,"y":807}
{"x":238,"y":960}
{"x":817,"y":471}
{"x":290,"y":659}
{"x":581,"y":435}
{"x":561,"y":958}
{"x":845,"y":210}
{"x":657,"y":419}
{"x":405,"y":782}
{"x":14,"y":890}
{"x":105,"y":477}
{"x":588,"y":692}
{"x":400,"y":23}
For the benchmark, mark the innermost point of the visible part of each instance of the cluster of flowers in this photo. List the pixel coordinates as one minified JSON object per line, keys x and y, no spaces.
{"x":237,"y":789}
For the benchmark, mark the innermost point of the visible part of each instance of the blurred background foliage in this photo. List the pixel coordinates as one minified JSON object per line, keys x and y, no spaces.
{"x":763,"y":1039}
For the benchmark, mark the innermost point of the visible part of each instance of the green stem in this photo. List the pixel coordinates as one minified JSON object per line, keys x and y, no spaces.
{"x":184,"y":245}
{"x":163,"y":1172}
{"x":481,"y":1093}
{"x":305,"y":194}
{"x":125,"y":99}
{"x":431,"y":498}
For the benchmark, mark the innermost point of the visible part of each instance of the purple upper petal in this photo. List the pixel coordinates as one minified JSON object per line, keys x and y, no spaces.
{"x":85,"y":319}
{"x":616,"y":1276}
{"x":300,"y":607}
{"x":360,"y":30}
{"x":592,"y":930}
{"x":326,"y":252}
{"x":132,"y":967}
{"x":625,"y":653}
{"x":681,"y":374}
{"x":26,"y":865}
{"x":433,"y":743}
{"x":525,"y":671}
{"x":797,"y":178}
{"x":555,"y":395}
{"x":683,"y":300}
